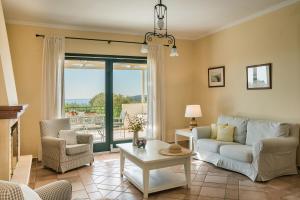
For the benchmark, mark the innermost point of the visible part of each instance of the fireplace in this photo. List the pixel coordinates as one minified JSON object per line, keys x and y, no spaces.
{"x":14,"y":141}
{"x":10,"y":159}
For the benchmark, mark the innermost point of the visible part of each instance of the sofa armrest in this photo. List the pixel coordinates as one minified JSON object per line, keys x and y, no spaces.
{"x":54,"y":148}
{"x":279,"y":144}
{"x":59,"y":190}
{"x":274,"y":157}
{"x":201,"y":132}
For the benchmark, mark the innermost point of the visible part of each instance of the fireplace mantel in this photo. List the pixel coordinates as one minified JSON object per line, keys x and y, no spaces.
{"x":12,"y":112}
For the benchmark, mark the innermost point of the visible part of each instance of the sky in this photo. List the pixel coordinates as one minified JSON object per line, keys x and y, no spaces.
{"x":86,"y":83}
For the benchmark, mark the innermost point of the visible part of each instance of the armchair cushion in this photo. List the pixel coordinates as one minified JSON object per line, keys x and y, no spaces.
{"x":28,"y":193}
{"x":52,"y":127}
{"x":68,"y":135}
{"x":77,"y":149}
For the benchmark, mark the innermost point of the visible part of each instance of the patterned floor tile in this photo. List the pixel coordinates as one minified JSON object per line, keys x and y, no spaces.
{"x":102,"y":181}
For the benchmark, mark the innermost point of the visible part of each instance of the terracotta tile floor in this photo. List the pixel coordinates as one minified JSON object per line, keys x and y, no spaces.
{"x":102,"y":181}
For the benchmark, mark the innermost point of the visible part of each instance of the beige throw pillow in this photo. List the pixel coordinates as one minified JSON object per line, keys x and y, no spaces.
{"x":214,"y":131}
{"x":225,"y":133}
{"x":68,"y":135}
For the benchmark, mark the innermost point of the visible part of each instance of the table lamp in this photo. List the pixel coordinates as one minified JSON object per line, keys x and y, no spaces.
{"x":193,"y":111}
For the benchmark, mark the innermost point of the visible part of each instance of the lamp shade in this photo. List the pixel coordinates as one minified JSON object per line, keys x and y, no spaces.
{"x":193,"y":111}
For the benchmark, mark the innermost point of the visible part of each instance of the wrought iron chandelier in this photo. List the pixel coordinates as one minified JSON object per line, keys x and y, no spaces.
{"x":160,"y":29}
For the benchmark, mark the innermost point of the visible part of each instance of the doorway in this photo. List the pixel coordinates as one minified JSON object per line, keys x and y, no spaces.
{"x":101,"y":93}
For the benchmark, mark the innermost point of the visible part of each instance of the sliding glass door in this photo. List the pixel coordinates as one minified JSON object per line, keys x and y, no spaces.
{"x":101,"y":93}
{"x":84,"y":83}
{"x":129,"y":97}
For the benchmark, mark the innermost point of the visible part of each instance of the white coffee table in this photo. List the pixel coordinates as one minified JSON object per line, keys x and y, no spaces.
{"x":149,"y":176}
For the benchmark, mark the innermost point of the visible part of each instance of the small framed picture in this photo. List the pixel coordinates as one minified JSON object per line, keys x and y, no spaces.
{"x":216,"y":76}
{"x":259,"y":77}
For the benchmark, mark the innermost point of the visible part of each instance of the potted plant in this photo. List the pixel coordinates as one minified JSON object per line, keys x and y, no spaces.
{"x":135,"y":125}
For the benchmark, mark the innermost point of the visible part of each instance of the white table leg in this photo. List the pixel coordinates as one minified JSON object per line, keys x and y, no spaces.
{"x":187,"y":170}
{"x":146,"y":182}
{"x":122,"y":162}
{"x":191,"y":144}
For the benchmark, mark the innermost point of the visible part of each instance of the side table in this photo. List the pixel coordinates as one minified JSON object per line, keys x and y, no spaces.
{"x":186,"y":133}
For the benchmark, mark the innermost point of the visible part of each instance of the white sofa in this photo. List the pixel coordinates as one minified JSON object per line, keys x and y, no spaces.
{"x":261,"y":150}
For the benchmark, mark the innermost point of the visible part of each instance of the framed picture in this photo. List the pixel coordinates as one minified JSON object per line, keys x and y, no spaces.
{"x":259,"y":77}
{"x":216,"y":76}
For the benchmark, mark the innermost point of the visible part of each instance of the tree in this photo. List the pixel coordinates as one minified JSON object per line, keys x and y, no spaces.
{"x":118,"y":100}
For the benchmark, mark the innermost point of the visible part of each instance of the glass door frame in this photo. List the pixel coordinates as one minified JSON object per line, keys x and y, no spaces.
{"x":109,"y":62}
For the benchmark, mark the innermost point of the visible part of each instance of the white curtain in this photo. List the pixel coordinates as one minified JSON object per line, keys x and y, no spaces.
{"x":52,"y":78}
{"x":156,"y":101}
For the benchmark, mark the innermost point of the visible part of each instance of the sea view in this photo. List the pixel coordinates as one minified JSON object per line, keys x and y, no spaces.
{"x":78,"y":101}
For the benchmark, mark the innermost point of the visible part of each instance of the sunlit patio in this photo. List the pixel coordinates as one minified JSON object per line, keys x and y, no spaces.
{"x":90,"y":122}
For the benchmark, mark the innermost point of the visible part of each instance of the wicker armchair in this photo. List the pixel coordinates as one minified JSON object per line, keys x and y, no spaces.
{"x":59,"y":156}
{"x":59,"y":190}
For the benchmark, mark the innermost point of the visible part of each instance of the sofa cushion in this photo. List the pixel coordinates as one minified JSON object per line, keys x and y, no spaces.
{"x":240,"y":125}
{"x":261,"y":129}
{"x":214,"y":131}
{"x":237,"y":152}
{"x":77,"y":148}
{"x":211,"y":145}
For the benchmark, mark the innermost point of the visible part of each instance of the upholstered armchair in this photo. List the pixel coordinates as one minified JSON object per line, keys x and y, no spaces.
{"x":59,"y":156}
{"x":59,"y":190}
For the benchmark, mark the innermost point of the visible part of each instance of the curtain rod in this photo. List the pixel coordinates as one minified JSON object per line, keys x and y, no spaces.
{"x":98,"y":40}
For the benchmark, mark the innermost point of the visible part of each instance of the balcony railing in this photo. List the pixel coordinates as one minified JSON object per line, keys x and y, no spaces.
{"x":91,"y":120}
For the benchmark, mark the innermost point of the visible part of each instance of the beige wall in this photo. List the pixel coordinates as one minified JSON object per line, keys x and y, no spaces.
{"x":8,"y":95}
{"x":26,"y":52}
{"x":273,"y":38}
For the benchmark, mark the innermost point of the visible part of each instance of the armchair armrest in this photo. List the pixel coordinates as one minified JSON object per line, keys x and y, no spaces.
{"x":84,"y":138}
{"x":201,"y":132}
{"x":279,"y":144}
{"x":54,"y":148}
{"x":59,"y":190}
{"x":53,"y":142}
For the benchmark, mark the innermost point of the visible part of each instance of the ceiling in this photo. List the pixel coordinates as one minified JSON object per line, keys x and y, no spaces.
{"x":188,"y":19}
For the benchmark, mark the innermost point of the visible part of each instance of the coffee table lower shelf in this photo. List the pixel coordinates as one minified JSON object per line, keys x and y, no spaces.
{"x":159,"y":179}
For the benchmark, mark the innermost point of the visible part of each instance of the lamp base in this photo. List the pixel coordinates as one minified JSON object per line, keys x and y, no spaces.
{"x":193,"y":123}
